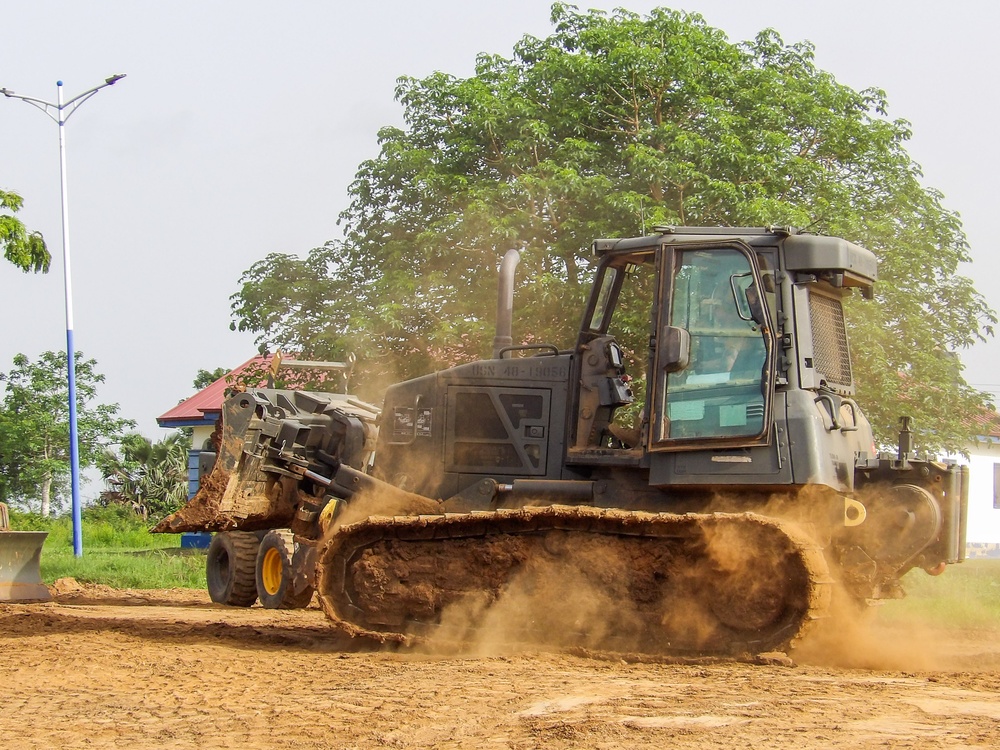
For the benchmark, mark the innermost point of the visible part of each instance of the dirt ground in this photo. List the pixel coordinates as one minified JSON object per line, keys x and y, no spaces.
{"x":100,"y":668}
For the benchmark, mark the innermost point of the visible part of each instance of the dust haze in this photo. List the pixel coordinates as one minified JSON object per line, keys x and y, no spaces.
{"x":574,"y":590}
{"x":857,"y":637}
{"x":582,"y":577}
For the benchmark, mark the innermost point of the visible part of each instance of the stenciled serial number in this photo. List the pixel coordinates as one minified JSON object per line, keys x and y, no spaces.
{"x":522,"y":371}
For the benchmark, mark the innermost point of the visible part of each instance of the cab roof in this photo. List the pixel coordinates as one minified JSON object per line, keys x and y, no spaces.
{"x":803,"y":253}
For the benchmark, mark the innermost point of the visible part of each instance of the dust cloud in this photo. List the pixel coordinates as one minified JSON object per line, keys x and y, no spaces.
{"x":588,"y":599}
{"x":715,"y":586}
{"x":368,"y":503}
{"x":559,"y":600}
{"x":854,"y":636}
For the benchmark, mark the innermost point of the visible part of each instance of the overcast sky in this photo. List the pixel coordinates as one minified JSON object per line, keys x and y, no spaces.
{"x":241,"y":124}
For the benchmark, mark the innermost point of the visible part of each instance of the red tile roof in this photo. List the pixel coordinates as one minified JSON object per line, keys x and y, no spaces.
{"x":986,"y":423}
{"x":206,"y":404}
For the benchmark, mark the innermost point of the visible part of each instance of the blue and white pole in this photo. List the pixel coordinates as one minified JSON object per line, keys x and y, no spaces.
{"x":74,"y":438}
{"x":59,"y":108}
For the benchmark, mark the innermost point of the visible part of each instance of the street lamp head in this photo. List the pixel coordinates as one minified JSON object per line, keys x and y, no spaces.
{"x":114,"y":78}
{"x":6,"y":92}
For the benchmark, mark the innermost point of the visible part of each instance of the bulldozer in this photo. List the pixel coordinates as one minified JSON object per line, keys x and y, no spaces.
{"x":693,"y":477}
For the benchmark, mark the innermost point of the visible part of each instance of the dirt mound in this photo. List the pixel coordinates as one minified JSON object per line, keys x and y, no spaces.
{"x":68,"y":588}
{"x":72,"y":591}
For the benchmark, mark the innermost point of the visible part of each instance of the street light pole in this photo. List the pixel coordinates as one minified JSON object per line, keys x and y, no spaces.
{"x":59,"y":112}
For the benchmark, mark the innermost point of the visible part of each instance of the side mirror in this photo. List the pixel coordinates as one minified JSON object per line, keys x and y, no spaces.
{"x":747,"y":298}
{"x":755,"y":305}
{"x":675,"y":351}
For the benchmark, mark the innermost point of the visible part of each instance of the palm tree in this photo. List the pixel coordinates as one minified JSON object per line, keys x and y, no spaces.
{"x":151,"y":478}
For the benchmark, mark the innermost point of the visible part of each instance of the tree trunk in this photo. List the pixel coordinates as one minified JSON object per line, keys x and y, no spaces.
{"x":46,"y":489}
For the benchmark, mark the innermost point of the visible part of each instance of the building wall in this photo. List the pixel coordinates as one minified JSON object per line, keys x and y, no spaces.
{"x":193,"y":481}
{"x":200,"y":436}
{"x":984,"y":517}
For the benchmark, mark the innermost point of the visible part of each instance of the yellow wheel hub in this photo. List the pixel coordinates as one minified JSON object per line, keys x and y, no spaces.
{"x":271,"y":570}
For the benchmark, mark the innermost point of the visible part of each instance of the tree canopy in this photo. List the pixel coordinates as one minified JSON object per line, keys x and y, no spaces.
{"x":24,"y":248}
{"x":149,"y":478}
{"x":612,"y":124}
{"x":34,"y":429}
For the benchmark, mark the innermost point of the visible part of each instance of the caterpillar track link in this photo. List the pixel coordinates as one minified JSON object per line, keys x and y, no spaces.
{"x":692,"y":584}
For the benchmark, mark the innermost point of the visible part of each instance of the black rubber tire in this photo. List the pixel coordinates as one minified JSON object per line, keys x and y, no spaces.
{"x":275,"y":573}
{"x":230,"y":566}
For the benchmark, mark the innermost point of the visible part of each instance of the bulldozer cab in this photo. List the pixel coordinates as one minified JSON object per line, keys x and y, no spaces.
{"x":677,"y":348}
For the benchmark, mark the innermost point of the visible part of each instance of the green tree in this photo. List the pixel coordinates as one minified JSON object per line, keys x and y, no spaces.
{"x":205,"y":378}
{"x":34,"y":429}
{"x":23,"y":248}
{"x":150,"y":478}
{"x":607,"y":127}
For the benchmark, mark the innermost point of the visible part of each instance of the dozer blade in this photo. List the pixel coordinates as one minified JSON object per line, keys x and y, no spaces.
{"x":686,"y":585}
{"x":20,"y":576}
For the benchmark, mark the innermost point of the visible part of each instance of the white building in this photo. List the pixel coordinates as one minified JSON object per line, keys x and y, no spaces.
{"x":984,"y":481}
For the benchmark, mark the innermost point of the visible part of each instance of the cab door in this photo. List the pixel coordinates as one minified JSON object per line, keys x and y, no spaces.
{"x":713,"y":371}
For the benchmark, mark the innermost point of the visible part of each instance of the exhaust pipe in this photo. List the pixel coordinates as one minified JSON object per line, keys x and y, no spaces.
{"x":505,"y":302}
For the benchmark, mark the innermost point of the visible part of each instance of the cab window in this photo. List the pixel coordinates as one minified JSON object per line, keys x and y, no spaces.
{"x":720,"y":393}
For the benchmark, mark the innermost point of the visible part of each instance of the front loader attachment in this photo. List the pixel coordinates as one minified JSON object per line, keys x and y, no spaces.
{"x":20,"y":555}
{"x":272,"y":442}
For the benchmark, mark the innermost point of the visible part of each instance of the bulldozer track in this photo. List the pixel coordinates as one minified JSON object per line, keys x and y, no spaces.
{"x":723,"y":583}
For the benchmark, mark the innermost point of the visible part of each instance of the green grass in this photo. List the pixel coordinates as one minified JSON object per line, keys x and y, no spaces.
{"x":118,"y":551}
{"x":151,"y":569}
{"x":964,"y":596}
